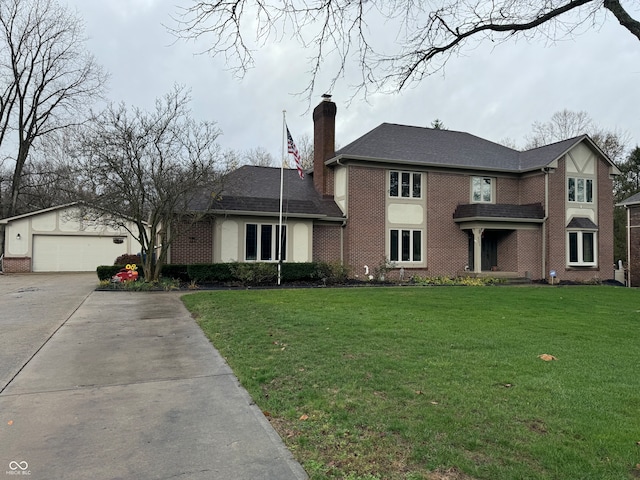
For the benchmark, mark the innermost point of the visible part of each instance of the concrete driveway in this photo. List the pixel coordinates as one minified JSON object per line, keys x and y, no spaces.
{"x":114,"y":385}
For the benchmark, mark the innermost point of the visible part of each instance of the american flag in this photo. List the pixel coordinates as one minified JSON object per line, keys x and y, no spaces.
{"x":293,"y":150}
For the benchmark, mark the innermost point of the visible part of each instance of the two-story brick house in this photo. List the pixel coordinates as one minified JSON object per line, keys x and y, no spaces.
{"x":427,"y":201}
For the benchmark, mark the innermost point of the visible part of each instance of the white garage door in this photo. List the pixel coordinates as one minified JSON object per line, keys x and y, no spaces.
{"x":66,"y":253}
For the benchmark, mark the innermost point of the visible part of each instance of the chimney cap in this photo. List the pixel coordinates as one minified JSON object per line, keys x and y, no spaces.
{"x":326,"y":97}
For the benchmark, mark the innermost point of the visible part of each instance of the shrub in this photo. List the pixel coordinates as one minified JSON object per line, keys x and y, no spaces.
{"x":128,"y":258}
{"x":210,"y":272}
{"x":464,"y":281}
{"x":175,"y":271}
{"x":105,"y":272}
{"x":254,"y":273}
{"x":332,"y":273}
{"x":296,"y":272}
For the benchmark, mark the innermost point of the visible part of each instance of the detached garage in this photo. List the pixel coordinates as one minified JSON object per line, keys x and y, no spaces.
{"x":58,"y":239}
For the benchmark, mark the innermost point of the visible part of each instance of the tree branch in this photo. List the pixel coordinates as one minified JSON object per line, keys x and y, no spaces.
{"x":623,"y":17}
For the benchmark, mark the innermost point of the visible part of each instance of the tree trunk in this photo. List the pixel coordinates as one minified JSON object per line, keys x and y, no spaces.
{"x":23,"y":152}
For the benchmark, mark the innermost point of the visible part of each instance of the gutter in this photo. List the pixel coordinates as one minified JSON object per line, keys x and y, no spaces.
{"x":499,"y":219}
{"x":252,"y":213}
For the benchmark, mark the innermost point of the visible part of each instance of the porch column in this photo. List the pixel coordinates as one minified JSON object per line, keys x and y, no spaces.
{"x":477,"y":249}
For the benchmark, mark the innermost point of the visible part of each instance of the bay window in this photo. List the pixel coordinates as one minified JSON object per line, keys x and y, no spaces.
{"x":582,"y":249}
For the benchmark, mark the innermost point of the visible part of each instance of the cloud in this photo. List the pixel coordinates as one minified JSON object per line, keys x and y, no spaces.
{"x":493,"y":90}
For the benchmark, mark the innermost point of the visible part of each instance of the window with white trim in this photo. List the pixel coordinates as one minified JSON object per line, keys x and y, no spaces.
{"x":405,"y":184}
{"x":482,"y":189}
{"x":261,"y":242}
{"x":580,"y":189}
{"x":582,"y":249}
{"x":405,"y":245}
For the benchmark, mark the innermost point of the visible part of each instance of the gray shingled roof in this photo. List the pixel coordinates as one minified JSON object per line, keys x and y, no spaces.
{"x":257,"y":189}
{"x":448,"y":148}
{"x":533,"y":211}
{"x":582,"y":222}
{"x":632,"y":200}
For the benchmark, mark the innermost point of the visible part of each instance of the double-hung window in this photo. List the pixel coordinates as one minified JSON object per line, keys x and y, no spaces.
{"x":582,"y":249}
{"x":580,"y":189}
{"x":405,"y":184}
{"x":482,"y":189}
{"x":261,"y":242}
{"x":405,"y":245}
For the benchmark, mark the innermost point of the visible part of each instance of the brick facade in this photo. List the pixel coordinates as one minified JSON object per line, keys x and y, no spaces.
{"x":447,"y":246}
{"x":192,"y":243}
{"x":326,"y":243}
{"x":605,"y":222}
{"x":556,"y":224}
{"x":364,"y":240}
{"x":16,"y":265}
{"x":634,"y":245}
{"x":529,"y":254}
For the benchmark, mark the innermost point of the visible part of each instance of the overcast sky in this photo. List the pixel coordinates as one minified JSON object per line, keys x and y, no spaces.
{"x":494,"y":92}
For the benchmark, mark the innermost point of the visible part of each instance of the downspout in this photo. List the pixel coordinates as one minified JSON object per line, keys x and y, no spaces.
{"x":544,"y":221}
{"x":628,"y":246}
{"x":344,"y":224}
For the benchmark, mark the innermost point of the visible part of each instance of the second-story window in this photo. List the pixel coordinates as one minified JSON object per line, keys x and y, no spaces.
{"x":405,"y":184}
{"x":580,"y":189}
{"x":482,"y":189}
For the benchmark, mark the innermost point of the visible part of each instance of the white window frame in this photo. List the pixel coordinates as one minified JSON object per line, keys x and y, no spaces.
{"x":273,"y":254}
{"x":580,"y":262}
{"x":576,"y":193}
{"x":413,"y":176}
{"x":397,"y":257}
{"x":492,"y":189}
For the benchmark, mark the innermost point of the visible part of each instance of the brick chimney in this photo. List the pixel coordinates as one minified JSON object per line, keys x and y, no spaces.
{"x":324,"y":143}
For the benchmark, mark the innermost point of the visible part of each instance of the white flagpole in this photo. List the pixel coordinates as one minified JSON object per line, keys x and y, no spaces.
{"x":284,"y":136}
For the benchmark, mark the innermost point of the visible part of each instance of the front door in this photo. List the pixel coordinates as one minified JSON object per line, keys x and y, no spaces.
{"x":489,"y":251}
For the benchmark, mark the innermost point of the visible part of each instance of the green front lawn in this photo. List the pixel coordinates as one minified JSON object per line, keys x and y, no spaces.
{"x":440,"y":382}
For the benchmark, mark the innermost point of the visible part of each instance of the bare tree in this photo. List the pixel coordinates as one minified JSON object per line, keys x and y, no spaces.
{"x":566,"y":124}
{"x":259,"y":157}
{"x":153,"y":169}
{"x":47,"y":78}
{"x":305,"y":148}
{"x":563,"y":124}
{"x":426,"y":36}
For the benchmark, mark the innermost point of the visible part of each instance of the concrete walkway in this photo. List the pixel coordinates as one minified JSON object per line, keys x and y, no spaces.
{"x":127,"y":386}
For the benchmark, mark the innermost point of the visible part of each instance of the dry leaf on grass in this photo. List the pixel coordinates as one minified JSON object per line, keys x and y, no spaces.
{"x":546,"y":357}
{"x":304,"y":417}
